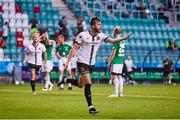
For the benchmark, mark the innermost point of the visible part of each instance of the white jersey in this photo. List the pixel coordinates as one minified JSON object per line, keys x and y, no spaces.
{"x":129,"y":65}
{"x":89,"y":46}
{"x":35,"y":54}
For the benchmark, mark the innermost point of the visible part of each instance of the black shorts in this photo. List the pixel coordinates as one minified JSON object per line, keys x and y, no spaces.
{"x":33,"y":67}
{"x":166,"y":73}
{"x":84,"y":68}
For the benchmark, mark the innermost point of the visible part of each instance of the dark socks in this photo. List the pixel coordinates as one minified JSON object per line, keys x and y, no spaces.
{"x":72,"y":81}
{"x":87,"y":93}
{"x":33,"y":85}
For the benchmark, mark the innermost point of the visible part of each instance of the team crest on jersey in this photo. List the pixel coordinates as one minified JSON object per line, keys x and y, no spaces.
{"x":39,"y":48}
{"x":98,"y":38}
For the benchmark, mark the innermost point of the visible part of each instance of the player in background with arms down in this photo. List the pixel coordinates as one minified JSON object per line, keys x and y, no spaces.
{"x":129,"y":70}
{"x":34,"y":58}
{"x":62,"y":52}
{"x":87,"y":44}
{"x":167,"y":63}
{"x":49,"y":64}
{"x":116,"y":61}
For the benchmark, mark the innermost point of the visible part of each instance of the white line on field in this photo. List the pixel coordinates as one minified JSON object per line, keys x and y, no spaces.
{"x":76,"y":93}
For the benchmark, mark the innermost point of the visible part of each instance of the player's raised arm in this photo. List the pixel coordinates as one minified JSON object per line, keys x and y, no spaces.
{"x":114,"y":40}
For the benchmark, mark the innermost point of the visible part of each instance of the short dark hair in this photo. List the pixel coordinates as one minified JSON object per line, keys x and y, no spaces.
{"x":93,"y":20}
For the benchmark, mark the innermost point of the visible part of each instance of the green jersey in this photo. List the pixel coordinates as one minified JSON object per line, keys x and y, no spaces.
{"x":63,"y":49}
{"x":48,"y":51}
{"x":119,"y":55}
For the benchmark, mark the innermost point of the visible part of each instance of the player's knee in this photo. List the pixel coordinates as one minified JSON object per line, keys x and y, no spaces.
{"x":80,"y":85}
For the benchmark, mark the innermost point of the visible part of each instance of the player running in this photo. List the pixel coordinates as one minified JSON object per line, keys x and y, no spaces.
{"x":34,"y":58}
{"x":87,"y":44}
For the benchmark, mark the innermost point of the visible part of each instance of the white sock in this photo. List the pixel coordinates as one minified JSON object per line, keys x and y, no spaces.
{"x":90,"y":106}
{"x":110,"y":81}
{"x":69,"y":85}
{"x":60,"y":77}
{"x":120,"y":84}
{"x":62,"y":86}
{"x":116,"y":85}
{"x":49,"y":81}
{"x":46,"y":82}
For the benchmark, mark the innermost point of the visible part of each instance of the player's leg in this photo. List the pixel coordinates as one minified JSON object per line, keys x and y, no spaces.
{"x":114,"y":73}
{"x":68,"y":69}
{"x":49,"y":67}
{"x":73,"y":71}
{"x":33,"y":79}
{"x":73,"y":81}
{"x":131,"y":78}
{"x":86,"y":80}
{"x":46,"y":81}
{"x":110,"y":80}
{"x":61,"y":73}
{"x":169,"y":78}
{"x":165,"y":77}
{"x":48,"y":84}
{"x":120,"y":78}
{"x":116,"y":85}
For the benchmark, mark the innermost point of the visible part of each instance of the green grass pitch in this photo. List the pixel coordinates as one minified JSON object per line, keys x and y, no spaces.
{"x":139,"y":101}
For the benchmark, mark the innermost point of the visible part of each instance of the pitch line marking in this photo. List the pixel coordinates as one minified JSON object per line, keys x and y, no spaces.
{"x":76,"y":93}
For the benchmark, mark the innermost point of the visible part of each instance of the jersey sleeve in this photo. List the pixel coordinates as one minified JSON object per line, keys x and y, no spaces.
{"x":79,"y":38}
{"x":104,"y":37}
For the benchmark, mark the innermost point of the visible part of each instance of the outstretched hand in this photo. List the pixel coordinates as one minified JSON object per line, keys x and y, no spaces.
{"x":128,"y":35}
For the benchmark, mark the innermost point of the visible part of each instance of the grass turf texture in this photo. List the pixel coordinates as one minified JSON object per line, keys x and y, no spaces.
{"x":139,"y":101}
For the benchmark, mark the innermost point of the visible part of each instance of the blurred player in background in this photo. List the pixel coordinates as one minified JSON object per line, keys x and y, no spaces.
{"x":62,"y":52}
{"x":129,"y":70}
{"x":167,"y":63}
{"x":87,"y":44}
{"x":116,"y":61}
{"x":34,"y":58}
{"x":49,"y":66}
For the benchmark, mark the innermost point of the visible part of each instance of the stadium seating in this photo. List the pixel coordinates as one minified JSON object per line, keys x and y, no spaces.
{"x":149,"y":35}
{"x":18,"y":13}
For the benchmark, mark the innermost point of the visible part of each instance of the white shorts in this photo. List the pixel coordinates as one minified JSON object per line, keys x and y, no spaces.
{"x":116,"y":69}
{"x":49,"y":66}
{"x":62,"y":62}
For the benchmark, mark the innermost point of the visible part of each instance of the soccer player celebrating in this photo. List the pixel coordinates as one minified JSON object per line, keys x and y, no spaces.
{"x":34,"y":58}
{"x":49,"y":66}
{"x":87,"y":44}
{"x":116,"y":61}
{"x":62,"y":52}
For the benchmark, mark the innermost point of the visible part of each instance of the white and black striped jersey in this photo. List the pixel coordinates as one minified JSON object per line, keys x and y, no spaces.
{"x":35,"y":54}
{"x":88,"y":46}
